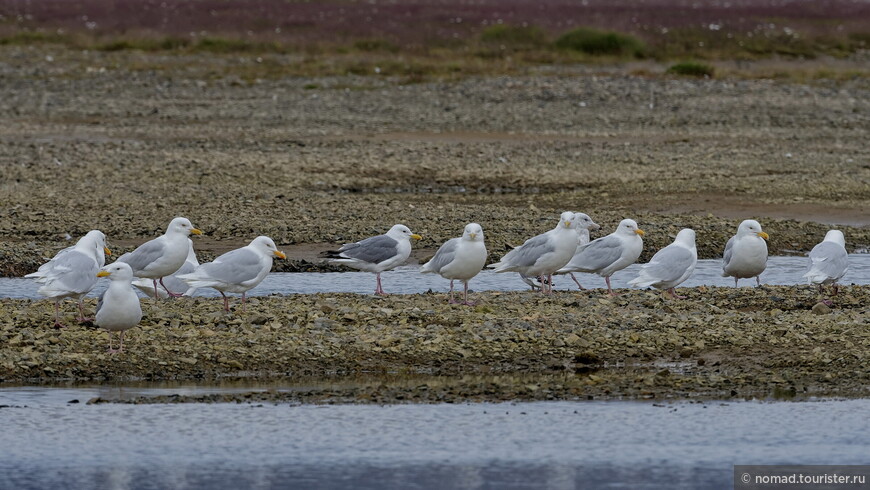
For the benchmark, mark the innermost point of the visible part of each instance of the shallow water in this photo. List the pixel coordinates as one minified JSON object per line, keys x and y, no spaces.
{"x":48,"y":443}
{"x":407,"y":280}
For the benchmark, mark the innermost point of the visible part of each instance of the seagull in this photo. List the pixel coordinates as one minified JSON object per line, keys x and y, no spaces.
{"x":72,"y":272}
{"x":746,"y":253}
{"x":544,"y":254}
{"x":608,"y":254}
{"x":236,"y":271}
{"x":829,"y":261}
{"x":670,"y":266}
{"x":118,"y":308}
{"x":163,"y":255}
{"x":459,"y":258}
{"x":583,"y":225}
{"x":378,"y":253}
{"x":172,"y":281}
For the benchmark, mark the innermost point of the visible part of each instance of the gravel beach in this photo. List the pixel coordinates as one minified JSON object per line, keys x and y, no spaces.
{"x":124,"y":142}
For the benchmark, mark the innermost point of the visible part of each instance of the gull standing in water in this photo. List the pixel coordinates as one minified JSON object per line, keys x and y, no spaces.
{"x":118,"y":309}
{"x":609,"y":254}
{"x":542,"y":255}
{"x":670,"y":266}
{"x":72,"y":272}
{"x":829,"y":261}
{"x":236,"y":271}
{"x":163,"y":255}
{"x":459,"y":258}
{"x":746,"y":253}
{"x":378,"y":253}
{"x":172,"y":281}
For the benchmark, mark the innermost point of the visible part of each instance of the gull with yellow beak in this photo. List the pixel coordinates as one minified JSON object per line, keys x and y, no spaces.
{"x":378,"y":253}
{"x":236,"y":271}
{"x":608,"y":254}
{"x":163,"y":255}
{"x":118,"y":309}
{"x":746,"y":253}
{"x":544,"y":254}
{"x":459,"y":258}
{"x":72,"y":272}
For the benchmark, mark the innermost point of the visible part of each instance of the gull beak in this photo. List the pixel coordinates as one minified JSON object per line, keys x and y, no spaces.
{"x":567,"y":224}
{"x":473,"y":235}
{"x":103,"y":273}
{"x":106,"y":249}
{"x":639,"y":232}
{"x":196,"y":231}
{"x":763,"y":235}
{"x":416,"y":237}
{"x":280,"y":254}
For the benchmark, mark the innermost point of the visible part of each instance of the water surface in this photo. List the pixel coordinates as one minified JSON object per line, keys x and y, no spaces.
{"x":408,"y":280}
{"x":49,"y":443}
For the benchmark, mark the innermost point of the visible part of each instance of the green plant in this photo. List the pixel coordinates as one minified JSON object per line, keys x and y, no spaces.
{"x":692,"y":69}
{"x":598,"y":43}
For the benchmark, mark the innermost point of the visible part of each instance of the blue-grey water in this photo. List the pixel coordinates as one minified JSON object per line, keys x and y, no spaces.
{"x":49,"y":443}
{"x":407,"y":280}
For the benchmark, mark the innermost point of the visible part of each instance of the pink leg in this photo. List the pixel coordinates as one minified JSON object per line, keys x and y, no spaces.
{"x":379,"y":290}
{"x":170,"y":293}
{"x":550,"y":286}
{"x":83,"y":318}
{"x":577,"y":282}
{"x":451,"y":300}
{"x":543,"y":281}
{"x":57,"y":323}
{"x":609,"y":289}
{"x":111,"y":350}
{"x":156,"y":296}
{"x":466,"y":302}
{"x":121,"y":348}
{"x":674,"y":295}
{"x":226,"y":302}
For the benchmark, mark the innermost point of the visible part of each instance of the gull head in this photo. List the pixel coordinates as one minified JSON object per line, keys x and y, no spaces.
{"x":266,"y":246}
{"x":584,"y":222}
{"x":97,"y":240}
{"x":402,"y":232}
{"x":836,"y":236}
{"x":751,"y":227}
{"x":686,"y":238}
{"x":473,"y":232}
{"x":568,"y":220}
{"x":183,"y":226}
{"x":117,"y":271}
{"x":629,"y":227}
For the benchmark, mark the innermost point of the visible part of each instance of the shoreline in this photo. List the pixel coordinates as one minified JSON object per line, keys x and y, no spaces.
{"x":719,"y":342}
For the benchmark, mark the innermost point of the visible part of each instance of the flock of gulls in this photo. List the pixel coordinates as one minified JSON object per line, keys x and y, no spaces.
{"x":167,"y":266}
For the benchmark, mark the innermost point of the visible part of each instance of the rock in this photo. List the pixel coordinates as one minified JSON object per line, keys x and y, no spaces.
{"x":822,"y":309}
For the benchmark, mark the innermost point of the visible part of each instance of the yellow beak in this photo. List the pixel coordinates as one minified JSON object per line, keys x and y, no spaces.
{"x":103,"y":273}
{"x":763,"y":235}
{"x":196,"y":231}
{"x":639,"y":232}
{"x":106,"y":249}
{"x":279,"y":254}
{"x":567,"y":224}
{"x":416,"y":237}
{"x":473,"y":235}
